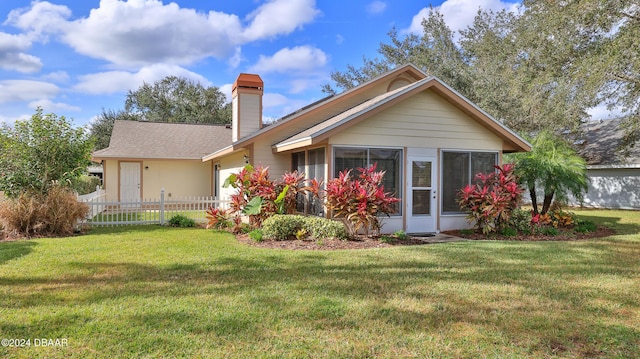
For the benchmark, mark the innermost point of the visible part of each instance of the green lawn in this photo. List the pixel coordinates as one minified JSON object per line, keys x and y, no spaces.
{"x":168,"y":292}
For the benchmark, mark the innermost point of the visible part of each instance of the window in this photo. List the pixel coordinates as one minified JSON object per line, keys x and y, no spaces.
{"x":458,"y":170}
{"x":312,"y":167}
{"x":387,"y":159}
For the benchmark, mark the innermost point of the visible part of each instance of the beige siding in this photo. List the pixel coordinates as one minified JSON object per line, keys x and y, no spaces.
{"x":264,"y":156}
{"x":178,"y":178}
{"x":336,"y":108}
{"x":250,"y":114}
{"x":424,"y":120}
{"x":229,"y":165}
{"x":111,"y":179}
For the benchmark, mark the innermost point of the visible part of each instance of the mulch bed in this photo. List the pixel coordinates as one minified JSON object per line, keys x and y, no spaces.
{"x":371,"y":242}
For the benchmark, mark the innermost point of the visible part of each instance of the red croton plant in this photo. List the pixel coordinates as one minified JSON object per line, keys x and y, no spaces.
{"x":492,"y":199}
{"x":358,"y":200}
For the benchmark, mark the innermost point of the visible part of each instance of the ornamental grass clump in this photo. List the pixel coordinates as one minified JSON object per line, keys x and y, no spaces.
{"x":491,"y":201}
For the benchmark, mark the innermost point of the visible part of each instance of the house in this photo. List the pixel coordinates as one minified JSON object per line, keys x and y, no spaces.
{"x":614,"y":175}
{"x":428,"y":138}
{"x":145,"y":157}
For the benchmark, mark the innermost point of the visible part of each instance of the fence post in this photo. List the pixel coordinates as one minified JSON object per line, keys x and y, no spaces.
{"x":162,"y":206}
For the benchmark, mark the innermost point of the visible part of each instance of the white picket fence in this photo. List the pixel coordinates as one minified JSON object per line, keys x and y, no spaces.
{"x":146,"y":211}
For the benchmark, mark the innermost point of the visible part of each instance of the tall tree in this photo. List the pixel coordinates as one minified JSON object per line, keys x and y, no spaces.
{"x":605,"y":36}
{"x":101,"y":127}
{"x":177,"y":99}
{"x":435,"y":52}
{"x":172,"y":99}
{"x":512,"y":65}
{"x":40,"y":152}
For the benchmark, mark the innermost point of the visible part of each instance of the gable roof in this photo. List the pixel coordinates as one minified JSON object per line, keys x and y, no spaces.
{"x":511,"y":141}
{"x":154,"y":140}
{"x":600,"y":145}
{"x":300,"y":127}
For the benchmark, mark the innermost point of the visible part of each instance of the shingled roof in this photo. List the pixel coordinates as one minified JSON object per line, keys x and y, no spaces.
{"x":153,"y":140}
{"x":600,"y":144}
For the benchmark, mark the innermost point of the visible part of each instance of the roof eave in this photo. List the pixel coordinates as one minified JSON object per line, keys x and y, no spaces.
{"x":415,"y":72}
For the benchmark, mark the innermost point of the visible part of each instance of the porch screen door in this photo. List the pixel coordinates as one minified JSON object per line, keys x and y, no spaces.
{"x":421,"y":196}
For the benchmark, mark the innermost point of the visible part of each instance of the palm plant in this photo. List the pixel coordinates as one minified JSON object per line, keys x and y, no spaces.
{"x":553,"y":166}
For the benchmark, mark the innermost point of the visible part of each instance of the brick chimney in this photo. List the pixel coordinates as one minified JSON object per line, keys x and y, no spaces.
{"x":246,"y":96}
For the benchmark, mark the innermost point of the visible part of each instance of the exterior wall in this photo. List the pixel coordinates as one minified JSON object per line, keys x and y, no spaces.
{"x":424,"y":123}
{"x":263,"y":156}
{"x":228,"y":165}
{"x":424,"y":120}
{"x":111,"y":179}
{"x":178,"y":177}
{"x":247,"y":114}
{"x":612,"y":188}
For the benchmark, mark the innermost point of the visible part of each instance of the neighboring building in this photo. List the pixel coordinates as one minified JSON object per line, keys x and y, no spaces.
{"x":428,"y":138}
{"x":614,"y":172}
{"x":145,"y":157}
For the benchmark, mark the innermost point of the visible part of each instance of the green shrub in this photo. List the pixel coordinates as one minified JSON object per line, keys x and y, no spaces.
{"x":85,"y":184}
{"x":256,"y":235}
{"x":319,"y":228}
{"x":509,"y":232}
{"x":520,"y":220}
{"x":401,"y":235}
{"x":181,"y":221}
{"x":549,"y":231}
{"x":585,"y":226}
{"x":282,"y":227}
{"x":388,"y":239}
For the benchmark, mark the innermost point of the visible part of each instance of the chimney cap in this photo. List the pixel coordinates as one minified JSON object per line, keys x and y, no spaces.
{"x":248,"y":81}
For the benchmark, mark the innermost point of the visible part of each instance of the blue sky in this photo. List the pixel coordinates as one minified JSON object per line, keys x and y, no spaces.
{"x":77,"y":57}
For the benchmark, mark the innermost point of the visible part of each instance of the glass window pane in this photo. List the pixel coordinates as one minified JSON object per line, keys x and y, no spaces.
{"x":349,"y":158}
{"x":316,"y":170}
{"x":482,"y":162}
{"x":389,"y":160}
{"x":421,"y":174}
{"x":455,"y":175}
{"x":421,"y":202}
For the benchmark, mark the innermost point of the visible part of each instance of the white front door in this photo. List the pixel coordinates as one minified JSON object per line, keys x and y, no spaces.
{"x":421,"y":196}
{"x":130,"y":181}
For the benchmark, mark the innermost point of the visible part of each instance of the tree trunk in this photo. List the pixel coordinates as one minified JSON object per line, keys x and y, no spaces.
{"x":534,"y":200}
{"x":547,"y":202}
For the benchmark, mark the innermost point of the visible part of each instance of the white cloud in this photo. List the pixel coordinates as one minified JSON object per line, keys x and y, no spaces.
{"x":278,"y":17}
{"x":271,"y":100}
{"x":458,"y":14}
{"x":226,"y":90}
{"x":119,"y":81}
{"x":43,"y":18}
{"x":58,"y":76}
{"x":300,"y":59}
{"x":138,"y":33}
{"x":26,"y":90}
{"x":339,"y":39}
{"x":50,"y":106}
{"x":13,"y":56}
{"x":376,"y":7}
